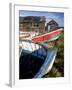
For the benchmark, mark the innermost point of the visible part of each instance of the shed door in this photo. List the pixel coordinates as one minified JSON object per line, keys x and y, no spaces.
{"x":48,"y":28}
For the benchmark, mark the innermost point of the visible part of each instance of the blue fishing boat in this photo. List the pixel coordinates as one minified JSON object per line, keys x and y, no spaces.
{"x":35,"y":59}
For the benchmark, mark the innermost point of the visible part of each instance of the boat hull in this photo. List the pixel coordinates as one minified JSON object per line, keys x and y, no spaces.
{"x":41,"y":56}
{"x":48,"y":36}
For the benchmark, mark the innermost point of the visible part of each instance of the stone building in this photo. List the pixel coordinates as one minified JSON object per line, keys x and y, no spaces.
{"x":32,"y":23}
{"x":52,"y":25}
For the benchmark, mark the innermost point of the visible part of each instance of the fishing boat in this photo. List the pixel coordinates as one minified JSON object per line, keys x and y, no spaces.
{"x":53,"y":35}
{"x":35,"y":59}
{"x":35,"y":37}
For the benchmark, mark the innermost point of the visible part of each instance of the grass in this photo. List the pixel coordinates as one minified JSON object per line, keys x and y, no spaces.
{"x":58,"y":67}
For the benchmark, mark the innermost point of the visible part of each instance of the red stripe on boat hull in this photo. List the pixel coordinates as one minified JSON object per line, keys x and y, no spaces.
{"x":47,"y":36}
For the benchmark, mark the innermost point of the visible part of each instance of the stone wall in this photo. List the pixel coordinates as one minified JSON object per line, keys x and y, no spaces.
{"x":40,"y":27}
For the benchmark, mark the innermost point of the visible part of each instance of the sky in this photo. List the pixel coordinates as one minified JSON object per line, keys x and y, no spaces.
{"x":57,"y":16}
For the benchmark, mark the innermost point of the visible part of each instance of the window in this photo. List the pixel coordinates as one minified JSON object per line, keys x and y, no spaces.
{"x":36,"y":25}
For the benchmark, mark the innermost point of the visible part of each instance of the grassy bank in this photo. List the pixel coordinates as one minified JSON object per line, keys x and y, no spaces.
{"x":58,"y":67}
